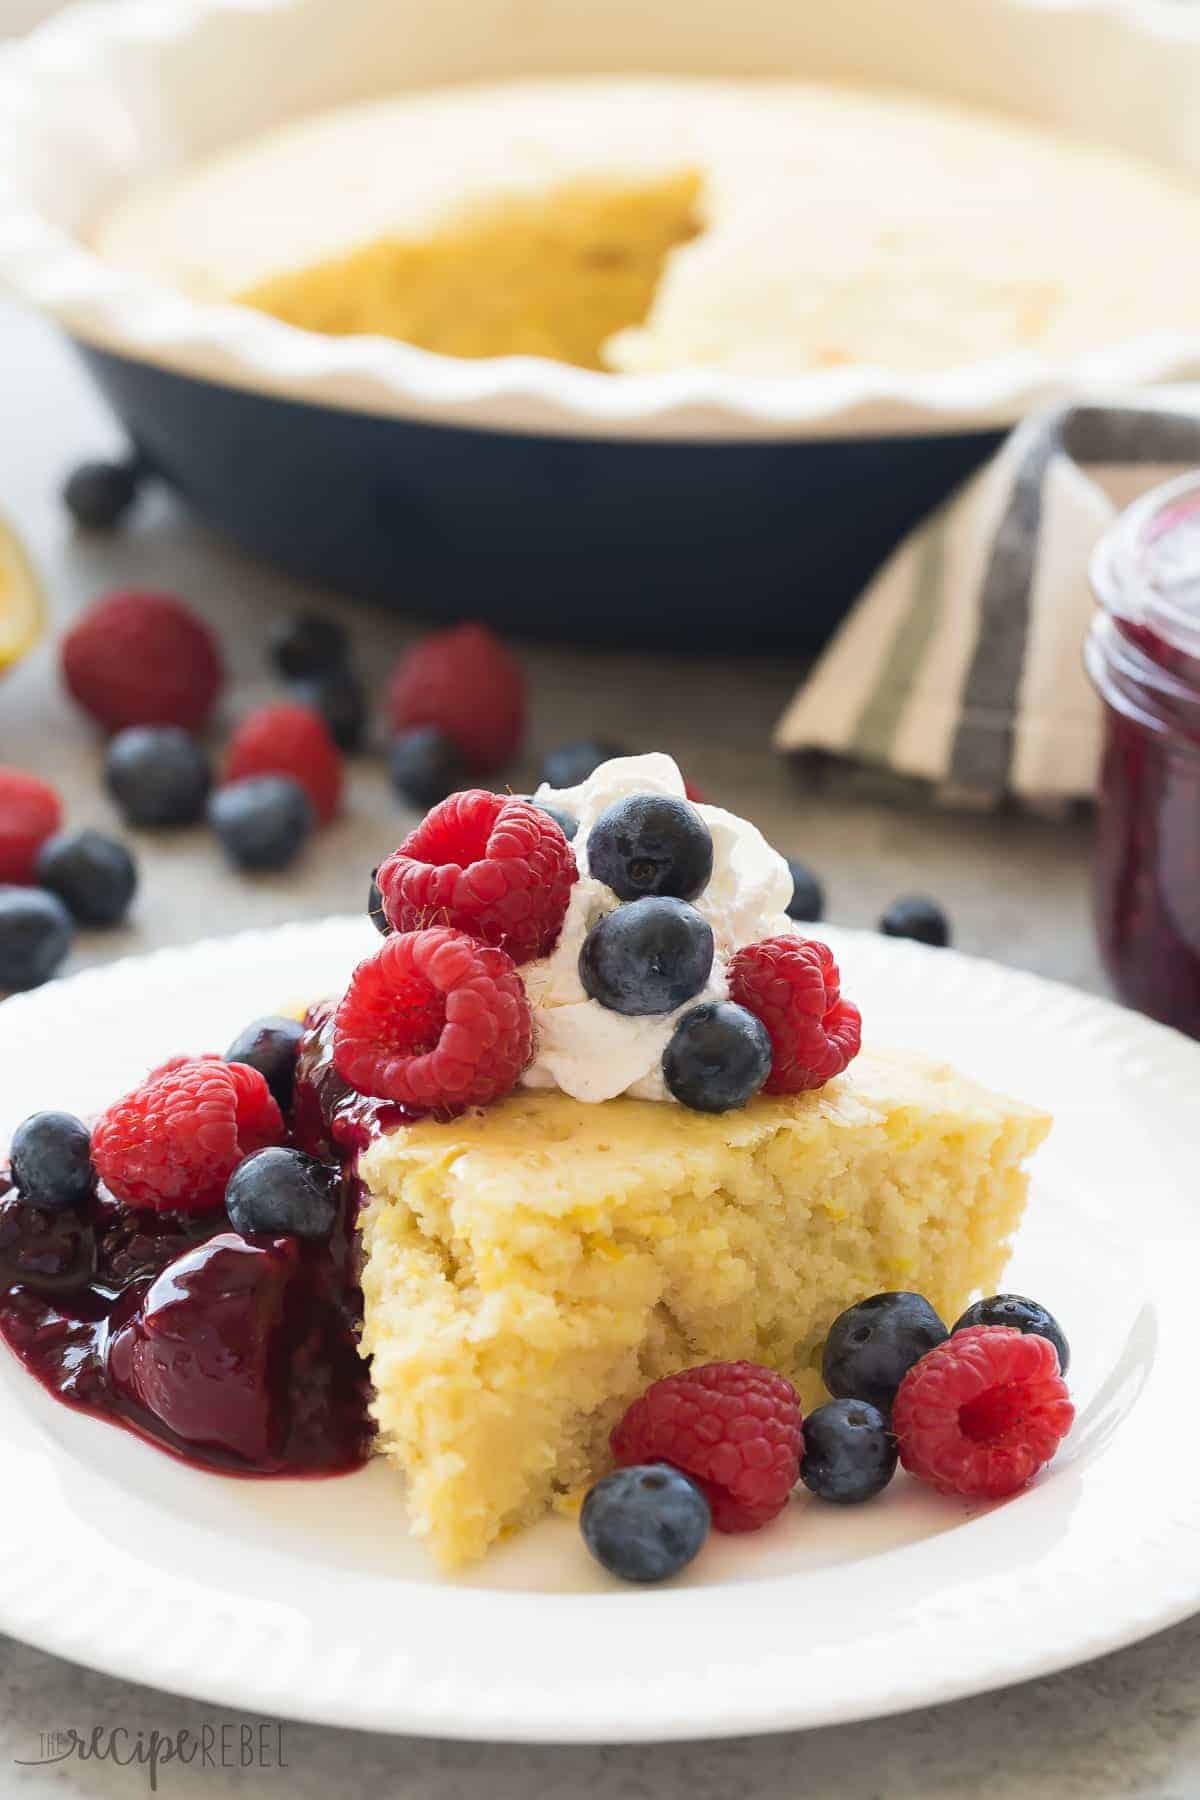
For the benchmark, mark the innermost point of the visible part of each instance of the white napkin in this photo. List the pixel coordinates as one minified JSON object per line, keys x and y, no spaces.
{"x":962,"y":662}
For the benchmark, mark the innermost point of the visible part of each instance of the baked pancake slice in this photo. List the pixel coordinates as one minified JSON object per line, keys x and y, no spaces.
{"x":530,"y":1268}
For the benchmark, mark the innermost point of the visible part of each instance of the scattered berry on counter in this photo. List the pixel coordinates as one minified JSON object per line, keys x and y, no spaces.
{"x":872,"y":1345}
{"x":466,"y":683}
{"x":341,"y":700}
{"x":137,"y":658}
{"x":172,"y":1144}
{"x":270,"y":1045}
{"x":496,"y":868}
{"x":158,"y":775}
{"x":425,"y":765}
{"x":718,"y":1057}
{"x":734,"y":1427}
{"x":792,"y":984}
{"x":1022,"y":1315}
{"x":849,"y":1453}
{"x":917,"y":917}
{"x":983,"y":1412}
{"x":263,"y":821}
{"x":288,"y":739}
{"x":35,"y":934}
{"x":571,"y":764}
{"x":99,"y":494}
{"x":645,"y":1523}
{"x":651,"y":844}
{"x":308,"y":644}
{"x":375,"y":912}
{"x":94,"y":876}
{"x":51,"y":1158}
{"x":30,"y":812}
{"x":807,"y":903}
{"x":282,"y":1192}
{"x":434,"y":1019}
{"x":567,"y":823}
{"x":647,"y":957}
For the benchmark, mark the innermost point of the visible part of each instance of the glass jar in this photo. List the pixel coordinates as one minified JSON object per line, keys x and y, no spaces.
{"x":1143,"y":656}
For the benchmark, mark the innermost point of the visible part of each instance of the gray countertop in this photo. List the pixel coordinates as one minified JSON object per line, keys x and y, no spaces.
{"x":1016,"y":889}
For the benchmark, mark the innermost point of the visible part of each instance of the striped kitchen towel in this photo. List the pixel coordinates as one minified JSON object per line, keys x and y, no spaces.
{"x":962,"y":662}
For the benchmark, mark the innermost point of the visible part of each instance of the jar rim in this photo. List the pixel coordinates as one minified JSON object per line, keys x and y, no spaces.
{"x":1127,"y":679}
{"x":1122,"y":571}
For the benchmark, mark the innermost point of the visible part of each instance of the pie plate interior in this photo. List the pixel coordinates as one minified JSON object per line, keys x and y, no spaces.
{"x":630,"y":509}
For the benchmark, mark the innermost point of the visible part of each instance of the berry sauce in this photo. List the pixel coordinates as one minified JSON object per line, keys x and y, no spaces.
{"x":1143,"y":654}
{"x":237,"y":1354}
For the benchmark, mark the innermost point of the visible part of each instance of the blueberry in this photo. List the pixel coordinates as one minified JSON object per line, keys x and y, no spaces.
{"x":849,"y":1453}
{"x":1023,"y":1315}
{"x":270,"y":1045}
{"x":645,"y":1523}
{"x":651,"y":844}
{"x":567,"y":823}
{"x":262,"y":822}
{"x":284,"y":1192}
{"x":872,"y":1346}
{"x":647,"y":957}
{"x":337,"y":694}
{"x":718,"y":1057}
{"x":52,"y":1161}
{"x":915,"y":916}
{"x":94,"y":876}
{"x":426,"y":765}
{"x":304,"y":644}
{"x":158,"y":775}
{"x":35,"y":935}
{"x":570,"y":764}
{"x":99,"y":494}
{"x":808,"y":896}
{"x":378,"y":917}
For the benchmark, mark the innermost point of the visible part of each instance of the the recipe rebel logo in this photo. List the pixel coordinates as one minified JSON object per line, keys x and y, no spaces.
{"x":232,"y":1744}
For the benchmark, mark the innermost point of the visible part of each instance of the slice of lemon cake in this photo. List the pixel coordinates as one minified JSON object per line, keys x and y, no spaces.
{"x":531,"y":1266}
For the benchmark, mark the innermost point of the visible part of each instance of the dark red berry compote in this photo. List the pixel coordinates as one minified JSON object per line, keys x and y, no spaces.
{"x":1143,"y":655}
{"x":236,"y":1353}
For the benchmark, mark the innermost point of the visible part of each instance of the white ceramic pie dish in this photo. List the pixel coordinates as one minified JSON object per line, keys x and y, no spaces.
{"x":652,"y":498}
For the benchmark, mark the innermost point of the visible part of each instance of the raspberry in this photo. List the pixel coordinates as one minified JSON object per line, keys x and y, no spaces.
{"x":497,"y":868}
{"x":981,"y":1414}
{"x":255,"y":1117}
{"x":734,"y":1427}
{"x":792,"y":985}
{"x":142,"y":659}
{"x":433,"y":1020}
{"x":30,"y":812}
{"x":464,"y":682}
{"x":174,"y":1142}
{"x":180,"y":1062}
{"x":287,"y":739}
{"x":259,"y":1116}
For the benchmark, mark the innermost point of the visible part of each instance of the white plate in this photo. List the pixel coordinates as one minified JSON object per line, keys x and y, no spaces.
{"x":308,"y":1599}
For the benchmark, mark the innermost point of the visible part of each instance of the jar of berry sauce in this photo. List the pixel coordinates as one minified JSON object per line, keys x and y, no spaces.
{"x":1143,"y":655}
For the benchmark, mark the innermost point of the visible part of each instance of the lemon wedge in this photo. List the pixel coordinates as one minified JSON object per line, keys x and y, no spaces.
{"x":22,"y":607}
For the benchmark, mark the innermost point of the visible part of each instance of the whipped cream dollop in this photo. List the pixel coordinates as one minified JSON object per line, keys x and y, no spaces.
{"x":584,"y":1048}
